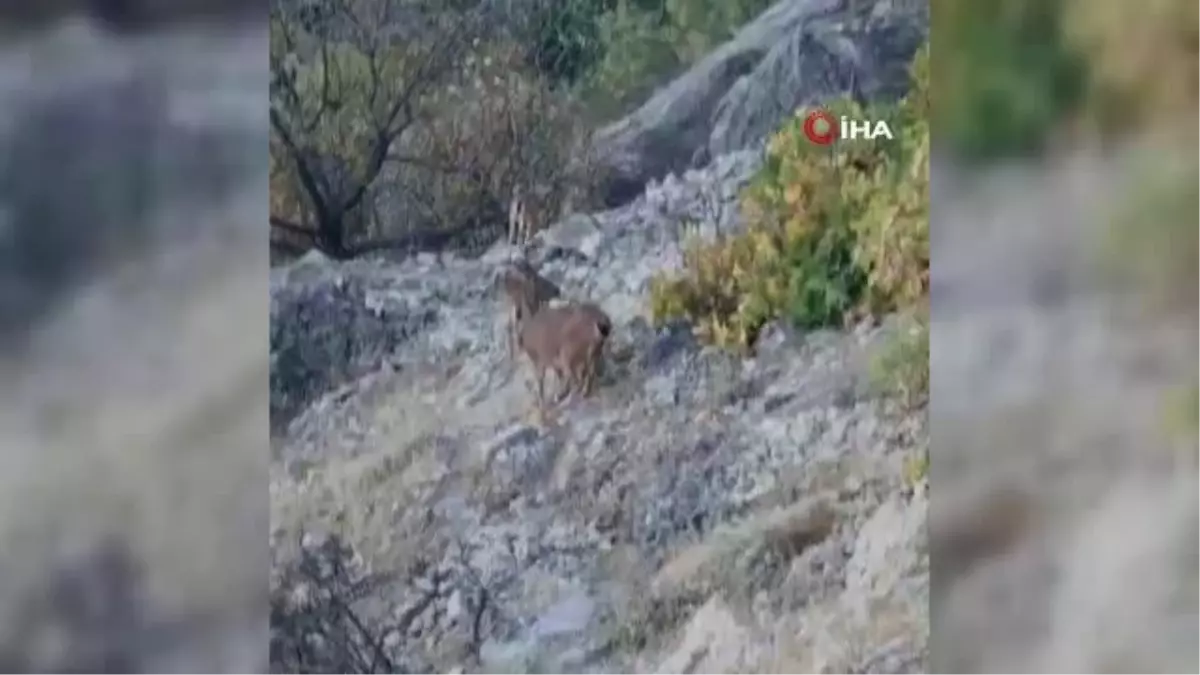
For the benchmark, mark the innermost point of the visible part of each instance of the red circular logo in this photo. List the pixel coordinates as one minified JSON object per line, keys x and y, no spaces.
{"x":820,"y":127}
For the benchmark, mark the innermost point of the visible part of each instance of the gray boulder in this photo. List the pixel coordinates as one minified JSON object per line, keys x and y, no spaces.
{"x":797,"y":52}
{"x":329,"y":329}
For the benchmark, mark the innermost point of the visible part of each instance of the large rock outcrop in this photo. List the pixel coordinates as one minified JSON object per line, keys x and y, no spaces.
{"x":796,"y":53}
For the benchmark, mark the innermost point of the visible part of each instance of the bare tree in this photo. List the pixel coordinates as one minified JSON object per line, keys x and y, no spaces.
{"x":344,"y":89}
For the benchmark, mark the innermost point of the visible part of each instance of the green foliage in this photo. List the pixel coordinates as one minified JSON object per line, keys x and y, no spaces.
{"x":916,"y":468}
{"x":564,"y":44}
{"x":695,"y":27}
{"x":646,"y":42}
{"x":892,"y":235}
{"x":832,"y":232}
{"x":335,"y":91}
{"x":637,"y":57}
{"x":330,"y":102}
{"x":1011,"y":73}
{"x":901,"y":367}
{"x":1006,"y":77}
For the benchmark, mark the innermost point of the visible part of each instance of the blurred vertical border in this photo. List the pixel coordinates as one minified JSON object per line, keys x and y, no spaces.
{"x":1063,"y":343}
{"x":133,"y":349}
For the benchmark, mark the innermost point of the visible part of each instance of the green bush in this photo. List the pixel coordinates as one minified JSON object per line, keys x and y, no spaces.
{"x":901,"y":368}
{"x":831,"y":232}
{"x":1012,"y":72}
{"x":637,"y":57}
{"x":1006,"y":76}
{"x":563,"y":41}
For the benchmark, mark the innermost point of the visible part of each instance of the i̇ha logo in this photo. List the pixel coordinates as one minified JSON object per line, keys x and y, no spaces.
{"x":822,"y":128}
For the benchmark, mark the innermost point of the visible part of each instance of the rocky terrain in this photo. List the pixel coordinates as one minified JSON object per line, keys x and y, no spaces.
{"x":701,"y":512}
{"x":763,"y":501}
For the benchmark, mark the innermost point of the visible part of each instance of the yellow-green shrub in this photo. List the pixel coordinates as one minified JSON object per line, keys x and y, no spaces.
{"x":1141,"y":58}
{"x":892,"y":236}
{"x":830,"y":231}
{"x":901,"y":367}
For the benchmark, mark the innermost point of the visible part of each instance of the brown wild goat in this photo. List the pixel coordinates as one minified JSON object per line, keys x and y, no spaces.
{"x":592,"y":311}
{"x":568,"y":340}
{"x":526,"y":292}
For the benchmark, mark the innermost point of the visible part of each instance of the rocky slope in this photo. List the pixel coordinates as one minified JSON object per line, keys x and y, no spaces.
{"x":760,"y":501}
{"x":701,"y":511}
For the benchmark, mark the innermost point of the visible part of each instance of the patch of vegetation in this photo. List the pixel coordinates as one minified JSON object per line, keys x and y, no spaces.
{"x":645,"y":622}
{"x":1006,"y":76}
{"x":315,"y":626}
{"x":1012,"y":73}
{"x":562,"y":37}
{"x":901,"y":368}
{"x":636,"y":58}
{"x":644,"y":42}
{"x":832,"y":232}
{"x":916,"y":468}
{"x":615,"y":52}
{"x":437,"y":126}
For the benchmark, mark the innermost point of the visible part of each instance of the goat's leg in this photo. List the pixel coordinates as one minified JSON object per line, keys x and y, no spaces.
{"x":587,"y":375}
{"x":512,"y":337}
{"x":591,"y":365}
{"x":563,"y":383}
{"x":540,"y":384}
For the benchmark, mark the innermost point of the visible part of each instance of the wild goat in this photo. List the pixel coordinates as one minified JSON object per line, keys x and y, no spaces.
{"x":603,"y":324}
{"x":568,"y":340}
{"x":526,"y":292}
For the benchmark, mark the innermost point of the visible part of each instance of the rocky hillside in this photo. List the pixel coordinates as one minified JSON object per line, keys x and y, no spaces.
{"x":700,"y":512}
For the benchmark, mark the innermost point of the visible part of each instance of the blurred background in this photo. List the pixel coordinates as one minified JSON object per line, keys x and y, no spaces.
{"x":132,"y":337}
{"x":1063,"y":523}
